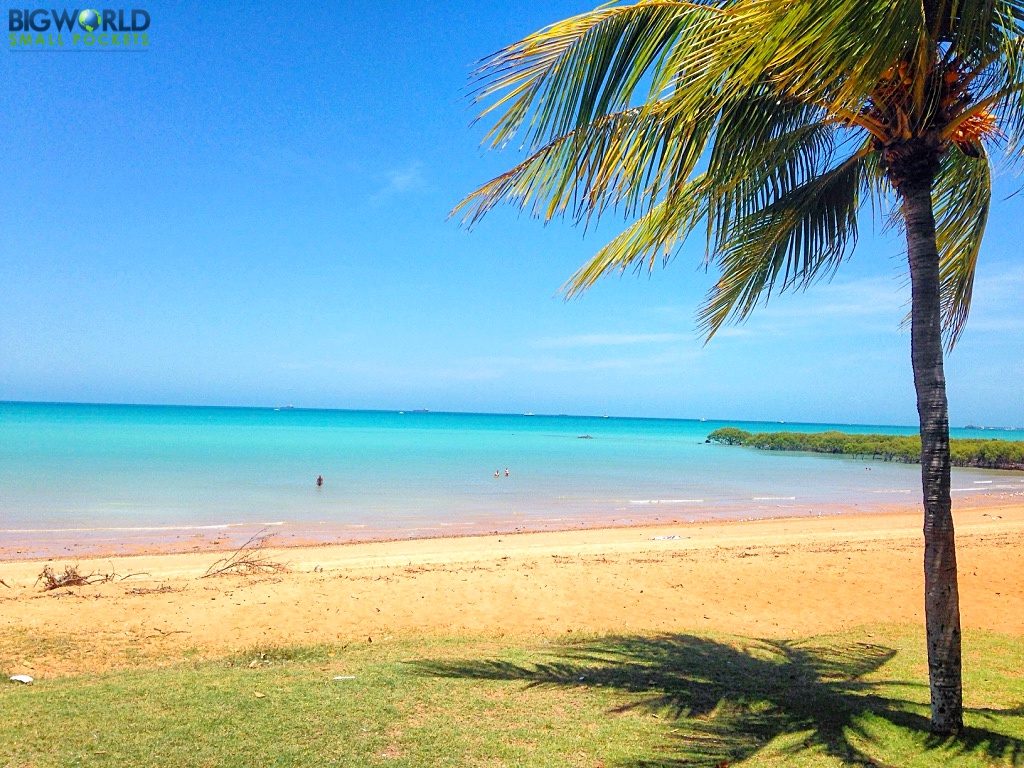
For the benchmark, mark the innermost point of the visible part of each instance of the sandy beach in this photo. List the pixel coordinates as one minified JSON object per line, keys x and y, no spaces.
{"x":778,"y":578}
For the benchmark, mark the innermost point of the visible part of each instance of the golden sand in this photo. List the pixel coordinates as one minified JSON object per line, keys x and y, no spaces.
{"x":779,"y":578}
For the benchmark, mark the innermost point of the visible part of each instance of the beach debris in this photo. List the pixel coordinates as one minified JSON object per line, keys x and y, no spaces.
{"x":160,"y":590}
{"x":166,"y":632}
{"x":259,"y":695}
{"x":248,"y":560}
{"x":673,"y":537}
{"x":23,"y":679}
{"x":71,"y":577}
{"x":344,"y":677}
{"x":5,"y":583}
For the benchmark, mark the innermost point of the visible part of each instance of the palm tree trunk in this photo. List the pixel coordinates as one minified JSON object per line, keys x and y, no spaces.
{"x":941,"y":598}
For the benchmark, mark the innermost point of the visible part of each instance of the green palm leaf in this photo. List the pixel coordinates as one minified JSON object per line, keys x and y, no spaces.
{"x":962,"y":197}
{"x":642,"y":108}
{"x":566,"y":75}
{"x":802,"y":236}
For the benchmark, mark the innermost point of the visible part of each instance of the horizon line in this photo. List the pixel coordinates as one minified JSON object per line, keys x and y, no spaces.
{"x":420,"y":409}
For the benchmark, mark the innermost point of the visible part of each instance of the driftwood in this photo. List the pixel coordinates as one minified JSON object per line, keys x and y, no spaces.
{"x":161,"y":590}
{"x":72,"y":577}
{"x":248,"y":560}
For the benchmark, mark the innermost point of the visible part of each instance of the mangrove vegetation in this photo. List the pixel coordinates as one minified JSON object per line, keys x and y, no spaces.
{"x":987,"y":454}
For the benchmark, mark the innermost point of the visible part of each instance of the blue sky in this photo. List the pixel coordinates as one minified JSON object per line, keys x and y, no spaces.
{"x":254,"y":212}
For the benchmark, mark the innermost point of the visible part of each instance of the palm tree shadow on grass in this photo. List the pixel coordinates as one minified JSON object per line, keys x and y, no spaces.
{"x":728,"y":701}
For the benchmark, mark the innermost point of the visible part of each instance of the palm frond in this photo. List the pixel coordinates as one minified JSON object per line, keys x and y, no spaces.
{"x":566,"y":75}
{"x":797,"y":239}
{"x":878,"y":192}
{"x":961,"y":200}
{"x":741,"y":179}
{"x":993,"y":70}
{"x":831,"y":53}
{"x":632,"y":159}
{"x":974,"y":30}
{"x":625,"y":158}
{"x":720,"y":196}
{"x":763,"y":147}
{"x":763,"y":123}
{"x":658,"y":233}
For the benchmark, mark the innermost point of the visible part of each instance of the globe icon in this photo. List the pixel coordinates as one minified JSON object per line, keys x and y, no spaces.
{"x":89,"y":20}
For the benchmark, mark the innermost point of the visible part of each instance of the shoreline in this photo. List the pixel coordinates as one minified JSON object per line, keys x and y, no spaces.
{"x":796,"y":577}
{"x":115,"y":542}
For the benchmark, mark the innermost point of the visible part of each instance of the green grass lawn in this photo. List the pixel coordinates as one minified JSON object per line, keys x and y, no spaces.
{"x":667,"y":700}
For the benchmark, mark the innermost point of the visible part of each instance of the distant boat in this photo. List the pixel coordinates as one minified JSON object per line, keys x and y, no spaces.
{"x":528,"y":413}
{"x":703,"y":419}
{"x":421,"y":410}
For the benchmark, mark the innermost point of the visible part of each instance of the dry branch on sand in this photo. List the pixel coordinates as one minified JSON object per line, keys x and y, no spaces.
{"x":248,"y":560}
{"x":160,"y":590}
{"x":72,"y":577}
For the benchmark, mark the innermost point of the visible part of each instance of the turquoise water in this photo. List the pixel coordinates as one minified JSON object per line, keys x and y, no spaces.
{"x":111,"y":472}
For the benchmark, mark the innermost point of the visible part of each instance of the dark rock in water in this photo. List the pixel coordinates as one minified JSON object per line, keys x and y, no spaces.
{"x":584,"y":437}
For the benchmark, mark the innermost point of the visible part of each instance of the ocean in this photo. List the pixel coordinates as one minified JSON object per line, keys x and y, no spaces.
{"x":87,"y":478}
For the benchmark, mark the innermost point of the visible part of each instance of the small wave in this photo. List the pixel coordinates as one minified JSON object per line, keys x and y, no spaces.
{"x":666,"y":501}
{"x":983,"y":482}
{"x":774,"y":498}
{"x":891,"y":490}
{"x":123,"y":528}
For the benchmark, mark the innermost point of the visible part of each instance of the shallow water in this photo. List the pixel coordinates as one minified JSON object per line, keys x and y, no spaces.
{"x":146,"y":472}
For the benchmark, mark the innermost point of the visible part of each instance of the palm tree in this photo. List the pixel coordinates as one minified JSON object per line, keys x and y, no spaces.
{"x":766,"y":126}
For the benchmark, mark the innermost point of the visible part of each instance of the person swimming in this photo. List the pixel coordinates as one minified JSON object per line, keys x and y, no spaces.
{"x":319,"y":481}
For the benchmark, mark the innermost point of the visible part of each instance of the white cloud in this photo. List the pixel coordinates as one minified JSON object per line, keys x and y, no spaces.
{"x":866,"y":297}
{"x":400,"y":180}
